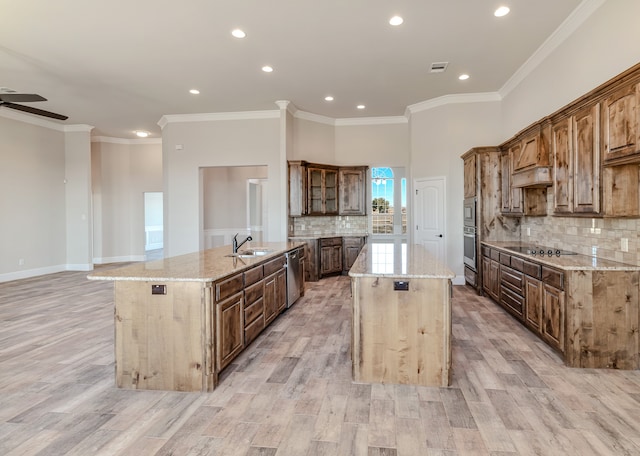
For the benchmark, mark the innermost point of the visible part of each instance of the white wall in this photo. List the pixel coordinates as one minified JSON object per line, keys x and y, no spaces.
{"x":439,"y":136}
{"x":232,"y":142}
{"x":313,"y":141}
{"x":122,"y":172}
{"x":377,"y":144}
{"x":605,"y":45}
{"x":32,"y":200}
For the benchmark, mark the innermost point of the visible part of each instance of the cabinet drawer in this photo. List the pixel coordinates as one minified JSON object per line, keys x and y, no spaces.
{"x":486,"y":251}
{"x":553,"y":277}
{"x":252,"y":331}
{"x":330,"y":242}
{"x":531,"y":269}
{"x":274,"y":266}
{"x":253,"y":311}
{"x":505,"y":259}
{"x":470,"y":276}
{"x":512,"y":279}
{"x":517,"y":263}
{"x":495,"y":254}
{"x":513,"y":301}
{"x":252,"y":276}
{"x":253,"y":292}
{"x":228,"y":287}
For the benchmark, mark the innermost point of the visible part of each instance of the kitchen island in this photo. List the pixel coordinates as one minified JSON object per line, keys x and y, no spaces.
{"x":179,"y":321}
{"x":401,"y":316}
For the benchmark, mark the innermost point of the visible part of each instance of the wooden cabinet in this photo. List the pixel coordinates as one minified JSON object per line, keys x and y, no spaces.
{"x":330,"y":256}
{"x":533,"y":300}
{"x":553,"y":316}
{"x":576,"y":162}
{"x":297,"y":188}
{"x":470,"y":183}
{"x":512,"y":197}
{"x":322,"y":190}
{"x":229,"y":329}
{"x":275,"y":288}
{"x":352,"y":190}
{"x":491,"y":276}
{"x":351,"y":247}
{"x":316,"y":189}
{"x":253,"y":304}
{"x":622,"y":125}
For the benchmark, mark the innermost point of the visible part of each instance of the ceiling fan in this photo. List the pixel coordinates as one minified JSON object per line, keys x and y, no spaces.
{"x":8,"y":100}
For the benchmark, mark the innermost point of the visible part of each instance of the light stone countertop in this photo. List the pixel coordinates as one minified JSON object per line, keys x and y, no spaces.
{"x":323,"y":236}
{"x":402,"y":261}
{"x":566,"y":262}
{"x":204,"y":266}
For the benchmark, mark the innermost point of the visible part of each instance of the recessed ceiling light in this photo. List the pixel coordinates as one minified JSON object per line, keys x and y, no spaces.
{"x":142,"y":134}
{"x":463,"y":77}
{"x":238,"y":33}
{"x":267,"y":69}
{"x":502,"y":11}
{"x":328,"y":98}
{"x":194,"y":91}
{"x":360,"y":106}
{"x":396,"y":20}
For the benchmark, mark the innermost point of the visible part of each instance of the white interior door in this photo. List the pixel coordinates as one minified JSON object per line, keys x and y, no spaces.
{"x":429,"y":215}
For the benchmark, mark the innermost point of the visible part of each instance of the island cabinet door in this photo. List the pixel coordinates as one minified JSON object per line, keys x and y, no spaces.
{"x":229,"y":330}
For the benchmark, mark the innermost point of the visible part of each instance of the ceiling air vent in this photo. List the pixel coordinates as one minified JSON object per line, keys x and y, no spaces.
{"x":439,"y":67}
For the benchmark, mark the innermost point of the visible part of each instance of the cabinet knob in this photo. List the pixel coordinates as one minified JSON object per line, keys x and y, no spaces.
{"x":438,"y":235}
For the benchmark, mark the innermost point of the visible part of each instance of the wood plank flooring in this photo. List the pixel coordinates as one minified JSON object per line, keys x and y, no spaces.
{"x":290,"y":392}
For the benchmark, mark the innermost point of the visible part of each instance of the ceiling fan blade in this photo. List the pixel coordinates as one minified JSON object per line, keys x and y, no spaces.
{"x":21,"y":97}
{"x":31,"y":110}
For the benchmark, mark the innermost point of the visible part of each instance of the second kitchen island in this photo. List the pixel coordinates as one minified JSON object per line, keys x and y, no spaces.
{"x":181,"y":320}
{"x":401,"y":316}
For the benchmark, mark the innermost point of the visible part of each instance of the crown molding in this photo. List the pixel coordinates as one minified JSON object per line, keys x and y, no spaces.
{"x":137,"y":141}
{"x":78,"y":127}
{"x":485,"y":97}
{"x":304,"y":115}
{"x":564,"y":31}
{"x":32,"y":120}
{"x":213,"y":116}
{"x":390,"y":120}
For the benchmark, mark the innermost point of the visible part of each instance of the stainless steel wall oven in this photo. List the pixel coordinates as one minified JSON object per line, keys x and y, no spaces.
{"x":470,"y":233}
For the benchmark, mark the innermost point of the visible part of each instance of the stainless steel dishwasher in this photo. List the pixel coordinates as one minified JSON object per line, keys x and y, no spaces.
{"x":294,"y":276}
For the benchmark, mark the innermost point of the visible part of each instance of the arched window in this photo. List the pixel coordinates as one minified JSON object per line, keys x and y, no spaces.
{"x":389,"y":201}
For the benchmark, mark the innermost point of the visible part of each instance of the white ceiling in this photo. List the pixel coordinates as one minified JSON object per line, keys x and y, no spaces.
{"x":119,"y":65}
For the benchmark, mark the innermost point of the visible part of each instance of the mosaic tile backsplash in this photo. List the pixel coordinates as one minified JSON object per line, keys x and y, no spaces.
{"x":601,"y":237}
{"x":328,"y":225}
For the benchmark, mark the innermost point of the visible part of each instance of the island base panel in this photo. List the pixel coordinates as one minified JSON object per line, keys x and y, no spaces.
{"x":401,"y":337}
{"x":161,"y":340}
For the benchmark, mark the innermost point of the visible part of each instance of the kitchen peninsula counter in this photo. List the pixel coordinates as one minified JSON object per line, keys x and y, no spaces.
{"x":401,"y":309}
{"x":179,"y":321}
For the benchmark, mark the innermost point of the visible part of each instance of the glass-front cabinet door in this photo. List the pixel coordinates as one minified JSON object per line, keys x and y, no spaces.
{"x":323,"y":191}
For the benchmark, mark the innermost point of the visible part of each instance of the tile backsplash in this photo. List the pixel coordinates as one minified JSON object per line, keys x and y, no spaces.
{"x":601,"y":237}
{"x":328,"y":225}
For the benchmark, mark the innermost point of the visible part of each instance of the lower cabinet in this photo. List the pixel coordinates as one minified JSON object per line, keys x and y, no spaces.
{"x":553,"y":316}
{"x":229,"y":329}
{"x":351,"y":247}
{"x":330,"y":256}
{"x":532,"y":293}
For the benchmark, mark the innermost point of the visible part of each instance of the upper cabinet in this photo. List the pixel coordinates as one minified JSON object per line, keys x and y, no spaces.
{"x":322,"y":190}
{"x":530,"y":158}
{"x":470,"y":176}
{"x":575,"y":144}
{"x":622,"y":125}
{"x":316,"y":189}
{"x":352,"y":190}
{"x":512,"y":197}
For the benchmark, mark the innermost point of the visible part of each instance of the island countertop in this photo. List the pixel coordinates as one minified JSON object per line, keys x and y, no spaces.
{"x":403,"y":261}
{"x":203,"y":266}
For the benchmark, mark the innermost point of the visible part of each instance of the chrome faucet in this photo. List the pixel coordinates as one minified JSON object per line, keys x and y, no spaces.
{"x":236,"y":246}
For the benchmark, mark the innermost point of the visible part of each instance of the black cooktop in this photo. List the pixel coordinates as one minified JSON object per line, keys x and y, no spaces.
{"x":534,"y":250}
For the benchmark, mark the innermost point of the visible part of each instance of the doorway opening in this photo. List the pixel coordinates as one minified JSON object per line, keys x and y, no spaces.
{"x":153,"y":225}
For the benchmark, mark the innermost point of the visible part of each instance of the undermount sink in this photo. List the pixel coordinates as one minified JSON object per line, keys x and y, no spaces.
{"x":250,"y":253}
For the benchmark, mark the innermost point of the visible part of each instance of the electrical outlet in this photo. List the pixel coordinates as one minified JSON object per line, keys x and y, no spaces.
{"x":624,"y":244}
{"x":21,"y":262}
{"x":528,"y":231}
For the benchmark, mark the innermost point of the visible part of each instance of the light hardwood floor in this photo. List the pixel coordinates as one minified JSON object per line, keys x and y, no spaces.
{"x":290,"y":392}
